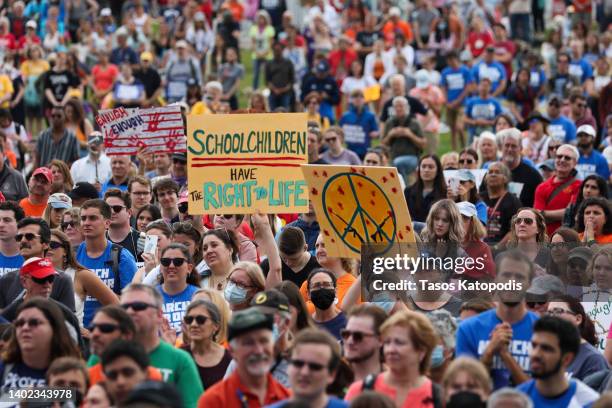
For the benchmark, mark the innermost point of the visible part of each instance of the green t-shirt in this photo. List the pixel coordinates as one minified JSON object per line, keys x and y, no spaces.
{"x":177,"y":367}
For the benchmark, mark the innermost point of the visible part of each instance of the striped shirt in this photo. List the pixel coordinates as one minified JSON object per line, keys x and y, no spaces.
{"x":67,"y":149}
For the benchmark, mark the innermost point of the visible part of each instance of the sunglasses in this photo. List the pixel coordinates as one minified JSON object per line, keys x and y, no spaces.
{"x":55,"y":245}
{"x":70,"y":224}
{"x":176,"y":261}
{"x":356,"y":335}
{"x":564,"y":157}
{"x":42,"y":281}
{"x":33,"y":323}
{"x":534,"y":304}
{"x":466,"y":161}
{"x":127,"y":372}
{"x":199,"y":319}
{"x":28,"y":236}
{"x":105,"y":328}
{"x":138,"y":306}
{"x":553,"y":148}
{"x":117,"y":208}
{"x":527,"y":221}
{"x":311,"y":366}
{"x":226,"y":216}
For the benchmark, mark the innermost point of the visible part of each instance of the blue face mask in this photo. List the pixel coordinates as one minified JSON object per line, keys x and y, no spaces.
{"x":437,"y":357}
{"x":385,"y":302}
{"x":234,"y":294}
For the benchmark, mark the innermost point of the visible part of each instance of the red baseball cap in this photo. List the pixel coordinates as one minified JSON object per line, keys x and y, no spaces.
{"x":45,"y":171}
{"x":38,"y":268}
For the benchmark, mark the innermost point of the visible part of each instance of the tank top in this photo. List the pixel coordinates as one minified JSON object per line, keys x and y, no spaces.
{"x":78,"y":302}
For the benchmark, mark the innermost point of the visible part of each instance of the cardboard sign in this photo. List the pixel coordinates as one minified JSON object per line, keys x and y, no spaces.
{"x":358,"y":205}
{"x":241,"y":163}
{"x":126,"y":131}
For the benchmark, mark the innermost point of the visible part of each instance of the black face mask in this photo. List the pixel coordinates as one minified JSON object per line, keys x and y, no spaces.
{"x":323,"y":298}
{"x":465,"y":399}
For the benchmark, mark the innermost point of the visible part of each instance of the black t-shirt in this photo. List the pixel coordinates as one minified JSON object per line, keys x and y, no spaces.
{"x":59,"y":82}
{"x":131,"y":244}
{"x":150,"y":79}
{"x":499,"y":221}
{"x":415,"y":107}
{"x":368,"y":38}
{"x":530,"y":178}
{"x":288,"y":273}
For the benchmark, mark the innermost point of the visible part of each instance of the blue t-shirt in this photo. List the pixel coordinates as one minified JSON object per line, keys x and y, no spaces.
{"x":10,"y":263}
{"x":109,"y":184}
{"x":562,"y":129}
{"x":455,"y":81}
{"x":103,"y":268}
{"x":474,"y":335}
{"x":21,"y":376}
{"x":537,"y":78}
{"x":576,"y":395}
{"x":335,"y":325}
{"x":595,"y":163}
{"x":495,"y":71}
{"x":478,"y":108}
{"x":581,"y":69}
{"x":357,"y":127}
{"x":332,"y":402}
{"x":175,"y":306}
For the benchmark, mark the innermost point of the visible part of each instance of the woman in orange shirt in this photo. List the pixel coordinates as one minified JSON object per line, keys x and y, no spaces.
{"x":594,"y":221}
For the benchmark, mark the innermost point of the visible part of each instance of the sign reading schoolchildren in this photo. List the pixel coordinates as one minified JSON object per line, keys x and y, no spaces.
{"x":243,"y":163}
{"x":158,"y":130}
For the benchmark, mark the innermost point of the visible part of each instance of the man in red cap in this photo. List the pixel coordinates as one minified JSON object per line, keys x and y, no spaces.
{"x":40,"y":188}
{"x":37,"y":276}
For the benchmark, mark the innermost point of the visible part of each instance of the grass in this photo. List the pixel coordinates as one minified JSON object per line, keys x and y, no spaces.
{"x":444,"y":144}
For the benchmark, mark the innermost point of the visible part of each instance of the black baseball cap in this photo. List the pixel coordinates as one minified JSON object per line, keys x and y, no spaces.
{"x":247,"y":321}
{"x":180,"y":156}
{"x":154,"y":394}
{"x":273,"y":299}
{"x":83,"y":189}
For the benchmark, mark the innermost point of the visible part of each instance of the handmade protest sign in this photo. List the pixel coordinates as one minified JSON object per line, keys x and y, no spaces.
{"x":243,"y":163}
{"x":358,"y":205}
{"x":126,"y":131}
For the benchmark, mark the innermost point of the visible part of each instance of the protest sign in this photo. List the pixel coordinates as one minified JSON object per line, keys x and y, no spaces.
{"x":358,"y":205}
{"x":242,"y":163}
{"x":126,"y":131}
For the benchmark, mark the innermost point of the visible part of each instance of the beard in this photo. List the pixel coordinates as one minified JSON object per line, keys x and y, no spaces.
{"x":363,"y":357}
{"x":548,"y":373}
{"x":584,"y":145}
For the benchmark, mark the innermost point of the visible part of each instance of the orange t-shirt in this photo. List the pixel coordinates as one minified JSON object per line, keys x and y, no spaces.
{"x":32,"y":210}
{"x":342,"y":286}
{"x":600,"y":239}
{"x":389,"y":30}
{"x":12,"y":158}
{"x":96,"y":374}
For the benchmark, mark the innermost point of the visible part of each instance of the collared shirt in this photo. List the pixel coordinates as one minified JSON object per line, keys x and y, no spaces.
{"x":561,"y":200}
{"x":66,"y":149}
{"x":90,"y":171}
{"x":231,"y":393}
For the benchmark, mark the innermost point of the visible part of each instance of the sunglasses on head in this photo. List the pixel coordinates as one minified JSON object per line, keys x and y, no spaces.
{"x":28,"y":236}
{"x":42,"y":281}
{"x":138,"y":306}
{"x":33,"y":323}
{"x":117,"y":208}
{"x":185,"y":226}
{"x":125,"y":372}
{"x":311,"y":366}
{"x":70,"y":224}
{"x":55,"y":245}
{"x":176,"y":261}
{"x":199,"y":319}
{"x":105,"y":328}
{"x":356,"y":335}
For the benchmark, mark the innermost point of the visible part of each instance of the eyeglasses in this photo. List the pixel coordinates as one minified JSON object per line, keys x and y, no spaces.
{"x":558,"y":312}
{"x":176,"y":261}
{"x":70,"y":224}
{"x":33,"y":323}
{"x":534,"y":304}
{"x":564,"y":157}
{"x":241,"y":285}
{"x":527,"y":221}
{"x":28,"y":236}
{"x":311,"y":366}
{"x":42,"y":281}
{"x":357,"y":335}
{"x":55,"y":245}
{"x":322,"y":285}
{"x":117,"y":208}
{"x":105,"y":328}
{"x":124,"y":372}
{"x":138,"y":306}
{"x":199,"y":319}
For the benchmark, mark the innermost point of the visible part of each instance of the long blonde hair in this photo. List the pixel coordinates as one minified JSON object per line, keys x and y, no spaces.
{"x":218,"y":300}
{"x":455,"y":228}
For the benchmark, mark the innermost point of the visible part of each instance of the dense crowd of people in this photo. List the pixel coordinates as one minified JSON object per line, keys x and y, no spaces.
{"x":497,"y":115}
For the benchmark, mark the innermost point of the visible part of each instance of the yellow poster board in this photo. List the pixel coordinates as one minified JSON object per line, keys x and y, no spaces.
{"x":242,"y":163}
{"x":358,"y":205}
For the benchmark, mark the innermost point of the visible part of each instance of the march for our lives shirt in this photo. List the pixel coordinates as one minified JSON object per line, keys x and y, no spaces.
{"x":10,"y":263}
{"x":20,"y":376}
{"x":494,"y":71}
{"x":577,"y":395}
{"x":175,"y":306}
{"x":474,"y":335}
{"x":103,"y":267}
{"x":562,"y":129}
{"x":581,"y":69}
{"x":478,"y":108}
{"x":455,"y":81}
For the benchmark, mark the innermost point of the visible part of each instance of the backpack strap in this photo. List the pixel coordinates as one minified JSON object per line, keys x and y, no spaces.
{"x":368,"y":382}
{"x":115,"y":254}
{"x":559,"y":188}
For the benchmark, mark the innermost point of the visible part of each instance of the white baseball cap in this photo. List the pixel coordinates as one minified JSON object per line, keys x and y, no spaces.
{"x":588,"y":129}
{"x":422,"y":78}
{"x":467,"y":209}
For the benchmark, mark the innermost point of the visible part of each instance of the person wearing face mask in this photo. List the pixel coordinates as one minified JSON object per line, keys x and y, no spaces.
{"x":466,"y":379}
{"x":244,"y":281}
{"x":321,"y":285}
{"x":443,"y":353}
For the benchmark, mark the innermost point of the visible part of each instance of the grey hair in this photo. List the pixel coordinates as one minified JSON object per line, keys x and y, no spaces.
{"x":213,"y":85}
{"x":142,"y":287}
{"x":512,"y":133}
{"x":400,"y":99}
{"x":572,"y":148}
{"x":505,"y":171}
{"x":445,"y":325}
{"x":397,"y":77}
{"x":506,"y":392}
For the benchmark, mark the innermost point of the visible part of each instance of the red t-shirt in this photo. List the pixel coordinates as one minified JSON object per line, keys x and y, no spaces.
{"x":477,"y":42}
{"x":230,"y":393}
{"x":561,"y":200}
{"x":104,"y":78}
{"x":508,"y":46}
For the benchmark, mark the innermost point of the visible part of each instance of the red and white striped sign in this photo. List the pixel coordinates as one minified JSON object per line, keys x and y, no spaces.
{"x":125,"y":131}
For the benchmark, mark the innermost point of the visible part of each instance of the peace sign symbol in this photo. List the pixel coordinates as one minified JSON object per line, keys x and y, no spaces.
{"x":359,"y":211}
